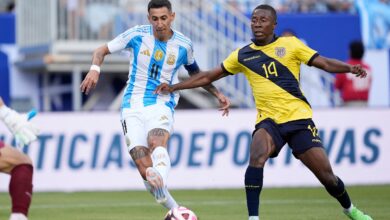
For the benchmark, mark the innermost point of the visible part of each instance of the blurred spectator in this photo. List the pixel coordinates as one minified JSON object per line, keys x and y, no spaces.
{"x":295,"y":6}
{"x":288,"y":33}
{"x":7,"y":6}
{"x":354,"y":90}
{"x":71,"y":13}
{"x":11,"y":7}
{"x":91,"y":19}
{"x":100,"y":17}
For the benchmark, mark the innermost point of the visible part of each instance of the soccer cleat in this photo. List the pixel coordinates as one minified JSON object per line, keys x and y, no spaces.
{"x":253,"y":218}
{"x":156,"y":181}
{"x":356,"y":214}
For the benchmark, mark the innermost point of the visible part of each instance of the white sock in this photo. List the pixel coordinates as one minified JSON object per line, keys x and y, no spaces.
{"x":170,"y":203}
{"x":253,"y":217}
{"x":17,"y":216}
{"x":349,"y":209}
{"x":161,"y":162}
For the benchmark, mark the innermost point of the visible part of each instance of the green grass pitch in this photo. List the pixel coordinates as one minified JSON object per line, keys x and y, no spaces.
{"x":224,"y":204}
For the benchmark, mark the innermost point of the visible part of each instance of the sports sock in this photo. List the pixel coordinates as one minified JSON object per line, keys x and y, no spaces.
{"x":17,"y":216}
{"x":253,"y":186}
{"x":349,"y":210}
{"x":161,"y":162}
{"x":20,"y":188}
{"x":169,"y":203}
{"x":340,"y":193}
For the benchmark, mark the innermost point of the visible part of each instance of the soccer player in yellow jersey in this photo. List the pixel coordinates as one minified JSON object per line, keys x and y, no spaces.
{"x":271,"y":65}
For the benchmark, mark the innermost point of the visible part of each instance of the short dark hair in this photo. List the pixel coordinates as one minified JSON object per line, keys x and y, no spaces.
{"x":356,"y":49}
{"x":268,"y":8}
{"x":159,"y":4}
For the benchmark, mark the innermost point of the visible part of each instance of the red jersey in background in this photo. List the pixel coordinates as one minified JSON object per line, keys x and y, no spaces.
{"x":353,"y":88}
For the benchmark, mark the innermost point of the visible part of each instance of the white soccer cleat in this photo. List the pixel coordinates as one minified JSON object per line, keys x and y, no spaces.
{"x":17,"y":216}
{"x":253,"y":218}
{"x":156,"y":182}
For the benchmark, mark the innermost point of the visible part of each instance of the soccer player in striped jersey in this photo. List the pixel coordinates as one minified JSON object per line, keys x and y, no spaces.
{"x":17,"y":164}
{"x":271,"y":65}
{"x":157,"y":53}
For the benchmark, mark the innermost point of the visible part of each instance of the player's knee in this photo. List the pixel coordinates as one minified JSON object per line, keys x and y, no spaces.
{"x":157,"y":137}
{"x":258,"y":157}
{"x":258,"y":161}
{"x":26,"y":160}
{"x":21,"y":158}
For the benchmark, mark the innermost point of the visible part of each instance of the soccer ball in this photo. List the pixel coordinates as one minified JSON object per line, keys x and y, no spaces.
{"x":180,"y":213}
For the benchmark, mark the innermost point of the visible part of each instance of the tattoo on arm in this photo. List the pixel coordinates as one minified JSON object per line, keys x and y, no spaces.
{"x":209,"y":88}
{"x":98,"y":56}
{"x":98,"y":59}
{"x":139,"y":152}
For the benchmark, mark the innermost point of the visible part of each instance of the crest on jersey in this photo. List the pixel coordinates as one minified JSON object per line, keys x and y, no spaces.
{"x":171,"y":59}
{"x":158,"y":55}
{"x":280,"y":51}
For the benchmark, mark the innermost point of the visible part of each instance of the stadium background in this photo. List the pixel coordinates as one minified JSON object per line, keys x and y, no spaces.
{"x":46,"y":47}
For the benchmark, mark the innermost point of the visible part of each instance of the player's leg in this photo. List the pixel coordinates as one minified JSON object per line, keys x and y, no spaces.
{"x":317,"y":161}
{"x":142,"y":159}
{"x":159,"y":126}
{"x":158,"y":141}
{"x":19,"y":166}
{"x":266,"y":142}
{"x":262,"y":147}
{"x":136,"y":141}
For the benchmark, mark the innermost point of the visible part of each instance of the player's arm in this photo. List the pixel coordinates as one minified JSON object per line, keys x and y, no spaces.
{"x":336,"y":66}
{"x":223,"y":100}
{"x":201,"y":79}
{"x":91,"y":79}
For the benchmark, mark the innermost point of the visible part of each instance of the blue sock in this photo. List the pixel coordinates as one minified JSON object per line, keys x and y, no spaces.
{"x":253,"y":186}
{"x":340,"y":193}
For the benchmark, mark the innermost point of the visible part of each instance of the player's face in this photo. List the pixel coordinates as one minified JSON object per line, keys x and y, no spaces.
{"x":262,"y":24}
{"x":161,"y":19}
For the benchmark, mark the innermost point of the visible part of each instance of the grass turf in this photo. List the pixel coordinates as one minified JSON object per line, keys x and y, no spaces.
{"x":223,"y":204}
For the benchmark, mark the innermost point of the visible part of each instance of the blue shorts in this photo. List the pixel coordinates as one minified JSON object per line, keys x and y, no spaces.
{"x":300,"y":135}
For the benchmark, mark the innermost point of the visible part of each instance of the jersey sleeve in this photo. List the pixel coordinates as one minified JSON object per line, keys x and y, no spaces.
{"x":123,"y":41}
{"x":190,"y":63}
{"x":231,"y":64}
{"x":190,"y":55}
{"x":304,"y":53}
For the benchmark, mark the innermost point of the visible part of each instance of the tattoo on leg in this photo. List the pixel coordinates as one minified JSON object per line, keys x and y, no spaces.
{"x":157,"y":132}
{"x":139,"y":152}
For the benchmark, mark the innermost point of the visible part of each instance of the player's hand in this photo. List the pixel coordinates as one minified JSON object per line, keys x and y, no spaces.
{"x":358,"y":71}
{"x":224,"y":103}
{"x":163,"y":88}
{"x":89,"y":81}
{"x":24,"y":131}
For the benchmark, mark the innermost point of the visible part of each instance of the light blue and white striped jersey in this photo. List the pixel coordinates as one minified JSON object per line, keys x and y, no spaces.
{"x":152,"y":62}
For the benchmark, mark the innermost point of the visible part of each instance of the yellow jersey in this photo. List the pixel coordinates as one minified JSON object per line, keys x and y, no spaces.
{"x":273,"y":72}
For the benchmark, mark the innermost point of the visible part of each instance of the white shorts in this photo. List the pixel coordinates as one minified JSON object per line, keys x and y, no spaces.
{"x":137,"y":123}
